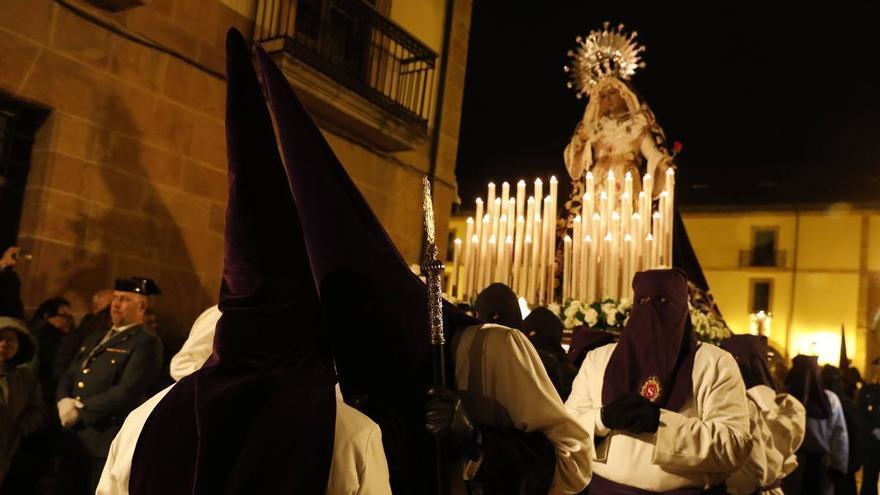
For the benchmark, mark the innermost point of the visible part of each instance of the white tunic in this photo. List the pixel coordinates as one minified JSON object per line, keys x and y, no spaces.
{"x":699,"y":446}
{"x":503,"y":383}
{"x":358,"y":465}
{"x":777,"y":423}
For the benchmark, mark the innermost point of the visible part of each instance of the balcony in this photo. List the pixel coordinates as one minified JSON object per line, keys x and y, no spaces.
{"x":762,"y":258}
{"x":359,"y":73}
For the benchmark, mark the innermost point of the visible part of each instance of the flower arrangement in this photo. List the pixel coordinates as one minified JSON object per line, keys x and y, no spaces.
{"x":611,"y":315}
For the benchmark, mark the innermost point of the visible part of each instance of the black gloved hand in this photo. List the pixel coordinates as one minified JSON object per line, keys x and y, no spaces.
{"x":446,"y":417}
{"x":633,"y":413}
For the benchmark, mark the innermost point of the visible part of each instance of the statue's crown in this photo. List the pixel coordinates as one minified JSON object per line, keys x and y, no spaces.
{"x":602,"y":54}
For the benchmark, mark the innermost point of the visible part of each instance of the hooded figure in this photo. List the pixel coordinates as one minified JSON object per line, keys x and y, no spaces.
{"x":824,"y":454}
{"x":507,"y":420}
{"x":583,"y":340}
{"x":497,"y":303}
{"x":856,"y":426}
{"x":777,"y":421}
{"x":544,"y":330}
{"x":668,"y":413}
{"x":259,"y":416}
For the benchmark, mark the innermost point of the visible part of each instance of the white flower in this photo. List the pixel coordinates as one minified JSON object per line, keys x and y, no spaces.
{"x":571,"y":322}
{"x":554,"y":307}
{"x":573,"y":308}
{"x":609,"y":307}
{"x":611,"y":319}
{"x":591,"y":317}
{"x":625,"y":305}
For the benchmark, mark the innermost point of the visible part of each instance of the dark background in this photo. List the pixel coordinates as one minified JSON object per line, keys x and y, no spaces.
{"x":773,"y":104}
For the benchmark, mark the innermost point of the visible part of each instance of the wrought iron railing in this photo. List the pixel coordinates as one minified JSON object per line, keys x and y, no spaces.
{"x":759,"y":258}
{"x":349,"y":41}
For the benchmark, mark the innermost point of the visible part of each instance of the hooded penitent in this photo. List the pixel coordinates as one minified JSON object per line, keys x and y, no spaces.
{"x":497,"y":303}
{"x":655,"y":355}
{"x":804,"y":383}
{"x":583,"y":340}
{"x":26,"y":346}
{"x":545,"y":331}
{"x":375,"y":306}
{"x":259,"y":416}
{"x":750,"y":352}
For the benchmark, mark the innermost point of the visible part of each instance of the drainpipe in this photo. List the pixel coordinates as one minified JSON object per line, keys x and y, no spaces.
{"x":438,"y":109}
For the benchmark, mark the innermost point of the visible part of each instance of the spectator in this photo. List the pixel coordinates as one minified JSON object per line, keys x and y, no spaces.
{"x":20,"y":397}
{"x":51,"y":322}
{"x":10,"y":285}
{"x":111,"y":373}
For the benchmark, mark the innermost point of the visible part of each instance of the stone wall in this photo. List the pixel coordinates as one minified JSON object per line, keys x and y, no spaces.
{"x":128,"y":172}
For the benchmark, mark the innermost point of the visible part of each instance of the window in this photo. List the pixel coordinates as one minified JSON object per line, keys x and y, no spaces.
{"x":18,"y":124}
{"x":762,"y":295}
{"x":764,"y":247}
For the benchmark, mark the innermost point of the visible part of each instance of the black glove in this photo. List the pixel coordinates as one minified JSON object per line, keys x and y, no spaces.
{"x":446,"y":417}
{"x":633,"y":413}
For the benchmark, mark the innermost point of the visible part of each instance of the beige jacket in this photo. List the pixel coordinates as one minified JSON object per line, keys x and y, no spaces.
{"x":503,"y":383}
{"x":777,"y":423}
{"x":699,"y":446}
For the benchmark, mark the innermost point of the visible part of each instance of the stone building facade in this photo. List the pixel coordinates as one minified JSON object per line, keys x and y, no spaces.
{"x":127,"y":163}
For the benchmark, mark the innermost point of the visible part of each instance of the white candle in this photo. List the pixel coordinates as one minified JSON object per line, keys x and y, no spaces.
{"x":508,"y":255}
{"x":649,"y":252}
{"x":657,"y":235}
{"x":496,"y":217}
{"x":648,"y":187}
{"x":636,"y":229}
{"x":505,"y":193}
{"x":520,"y":197}
{"x":470,"y":262}
{"x":628,"y":184}
{"x":511,"y":216}
{"x":517,"y":253}
{"x":454,"y":288}
{"x":539,"y":198}
{"x":576,"y":269}
{"x":479,"y":217}
{"x":606,"y":266}
{"x":644,"y":213}
{"x":547,"y":225}
{"x":490,"y":195}
{"x":499,"y":258}
{"x":604,"y":212}
{"x":662,"y":238}
{"x":611,"y":187}
{"x":535,"y":267}
{"x":566,"y":268}
{"x":491,"y":253}
{"x":627,"y":258}
{"x":525,"y":278}
{"x":591,"y":186}
{"x":551,"y":258}
{"x":484,"y":255}
{"x":625,"y":213}
{"x":590,"y":250}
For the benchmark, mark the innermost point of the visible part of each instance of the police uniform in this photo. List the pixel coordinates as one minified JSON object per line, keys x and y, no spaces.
{"x":110,"y":375}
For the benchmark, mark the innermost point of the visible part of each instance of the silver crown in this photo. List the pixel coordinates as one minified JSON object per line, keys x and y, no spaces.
{"x":602,"y":54}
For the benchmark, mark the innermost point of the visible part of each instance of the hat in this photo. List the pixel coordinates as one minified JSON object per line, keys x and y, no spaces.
{"x":138,"y":285}
{"x":26,"y":346}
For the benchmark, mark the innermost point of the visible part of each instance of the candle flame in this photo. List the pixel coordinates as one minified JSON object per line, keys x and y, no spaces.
{"x":649,"y":237}
{"x":538,"y":181}
{"x":492,"y":239}
{"x":670,"y":171}
{"x":520,"y":219}
{"x":457,"y":241}
{"x":552,"y":179}
{"x":498,"y":201}
{"x":531,"y":199}
{"x":470,"y":220}
{"x":505,"y":184}
{"x":528,"y":239}
{"x":479,"y":201}
{"x":628,"y":176}
{"x":603,"y":195}
{"x":566,"y":238}
{"x":615,"y":215}
{"x":509,"y":240}
{"x":588,"y":238}
{"x":597,"y":217}
{"x":577,"y":219}
{"x":503,"y":218}
{"x":656,"y":214}
{"x":589,"y":175}
{"x":611,"y":175}
{"x":609,"y":237}
{"x":491,"y":185}
{"x":664,"y":194}
{"x":521,"y":183}
{"x":475,"y":239}
{"x":486,"y":218}
{"x":636,"y":216}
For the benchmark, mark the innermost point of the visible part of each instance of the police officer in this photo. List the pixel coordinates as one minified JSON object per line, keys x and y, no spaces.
{"x":110,"y":374}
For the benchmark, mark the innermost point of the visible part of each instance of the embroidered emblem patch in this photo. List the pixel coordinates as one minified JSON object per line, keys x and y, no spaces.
{"x":651,"y":389}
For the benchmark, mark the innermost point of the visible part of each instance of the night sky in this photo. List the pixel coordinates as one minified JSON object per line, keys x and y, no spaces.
{"x":771,"y":106}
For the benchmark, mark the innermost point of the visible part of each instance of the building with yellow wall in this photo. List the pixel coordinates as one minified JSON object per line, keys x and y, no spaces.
{"x":112,"y":141}
{"x":813,"y":268}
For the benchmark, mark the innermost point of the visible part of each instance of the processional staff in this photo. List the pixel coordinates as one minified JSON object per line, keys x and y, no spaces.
{"x":433,"y":270}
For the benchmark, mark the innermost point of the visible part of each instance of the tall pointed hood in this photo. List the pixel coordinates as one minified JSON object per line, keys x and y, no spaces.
{"x":375,"y":306}
{"x":259,"y":416}
{"x":656,"y":351}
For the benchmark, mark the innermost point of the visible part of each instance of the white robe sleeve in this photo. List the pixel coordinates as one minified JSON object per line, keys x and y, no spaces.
{"x":198,"y":346}
{"x":522,"y":387}
{"x":374,"y":477}
{"x":839,"y":441}
{"x":718,"y":440}
{"x":582,"y":405}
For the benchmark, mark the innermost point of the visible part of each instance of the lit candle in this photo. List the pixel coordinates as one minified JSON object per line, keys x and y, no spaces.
{"x":491,"y":253}
{"x":520,"y":197}
{"x":644,"y":213}
{"x":470,"y":264}
{"x":606,"y":265}
{"x":496,"y":216}
{"x":576,"y":269}
{"x":535,"y":268}
{"x":625,"y":213}
{"x":539,"y":198}
{"x":627,"y":258}
{"x":551,"y":254}
{"x":454,"y":288}
{"x":461,"y":291}
{"x":479,"y":216}
{"x":505,"y":193}
{"x":649,"y":252}
{"x":499,"y":258}
{"x":662,"y":239}
{"x":591,"y":186}
{"x":657,"y":236}
{"x":566,"y":268}
{"x":590,"y":251}
{"x":490,"y":195}
{"x":508,"y":254}
{"x":484,"y":255}
{"x":648,"y":187}
{"x":545,"y":267}
{"x":636,"y":229}
{"x":517,"y":253}
{"x":526,"y":268}
{"x":628,"y":184}
{"x":604,"y":212}
{"x":597,"y":234}
{"x":511,"y":217}
{"x":611,"y":187}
